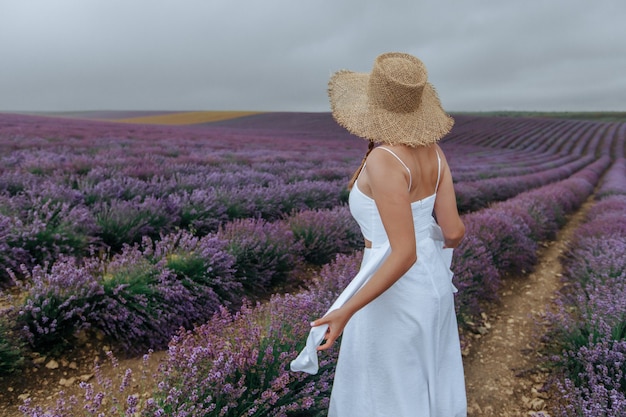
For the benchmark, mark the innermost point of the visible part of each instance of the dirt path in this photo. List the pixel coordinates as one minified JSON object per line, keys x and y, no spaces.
{"x":501,"y":370}
{"x":45,"y":377}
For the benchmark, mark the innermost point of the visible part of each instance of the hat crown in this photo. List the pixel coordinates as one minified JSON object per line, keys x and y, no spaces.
{"x":397,"y":82}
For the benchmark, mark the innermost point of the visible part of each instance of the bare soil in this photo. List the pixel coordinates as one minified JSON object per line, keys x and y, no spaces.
{"x":503,"y":369}
{"x":504,"y":372}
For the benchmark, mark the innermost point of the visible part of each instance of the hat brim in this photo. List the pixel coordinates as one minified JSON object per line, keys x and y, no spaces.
{"x":351,"y":109}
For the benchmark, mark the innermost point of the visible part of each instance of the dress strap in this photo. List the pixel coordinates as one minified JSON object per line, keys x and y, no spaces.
{"x":403,"y":164}
{"x":438,"y":170}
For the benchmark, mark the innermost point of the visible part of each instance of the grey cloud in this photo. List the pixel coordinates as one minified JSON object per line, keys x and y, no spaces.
{"x":278,"y":54}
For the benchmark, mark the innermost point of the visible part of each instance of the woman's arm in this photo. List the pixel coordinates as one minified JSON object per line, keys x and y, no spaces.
{"x":445,"y":207}
{"x":389,"y":186}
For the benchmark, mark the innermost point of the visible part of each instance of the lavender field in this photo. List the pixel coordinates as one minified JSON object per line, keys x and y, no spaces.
{"x":219,"y":242}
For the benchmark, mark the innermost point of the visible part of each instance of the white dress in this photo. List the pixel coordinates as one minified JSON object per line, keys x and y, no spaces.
{"x":400,"y":355}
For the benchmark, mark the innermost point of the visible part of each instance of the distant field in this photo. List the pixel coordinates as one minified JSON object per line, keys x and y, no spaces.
{"x":288,"y":120}
{"x":173,"y":118}
{"x":187,"y":118}
{"x":595,"y":116}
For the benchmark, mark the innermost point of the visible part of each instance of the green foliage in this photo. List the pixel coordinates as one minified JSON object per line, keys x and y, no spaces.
{"x":126,"y":223}
{"x":264,"y":252}
{"x":11,"y":358}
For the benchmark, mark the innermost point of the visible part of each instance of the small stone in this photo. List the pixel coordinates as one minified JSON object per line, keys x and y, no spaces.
{"x":67,"y":382}
{"x":537,"y":393}
{"x":39,"y":360}
{"x":85,"y":377}
{"x":10,"y":389}
{"x":52,"y":364}
{"x":73,"y":365}
{"x":23,"y":397}
{"x":537,"y":404}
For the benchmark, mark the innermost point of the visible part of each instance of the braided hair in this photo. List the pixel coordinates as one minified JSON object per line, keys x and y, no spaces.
{"x":360,"y":168}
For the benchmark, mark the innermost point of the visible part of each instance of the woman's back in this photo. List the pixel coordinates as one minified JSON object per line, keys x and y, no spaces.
{"x":425,"y":172}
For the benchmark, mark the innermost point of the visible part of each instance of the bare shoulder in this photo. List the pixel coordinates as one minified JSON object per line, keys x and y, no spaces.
{"x":384,"y":171}
{"x":380,"y":158}
{"x":442,"y":155}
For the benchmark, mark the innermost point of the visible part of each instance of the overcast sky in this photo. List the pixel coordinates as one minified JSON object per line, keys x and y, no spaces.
{"x":65,"y":55}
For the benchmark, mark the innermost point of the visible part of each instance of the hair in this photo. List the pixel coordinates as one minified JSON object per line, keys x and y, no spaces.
{"x":360,"y":168}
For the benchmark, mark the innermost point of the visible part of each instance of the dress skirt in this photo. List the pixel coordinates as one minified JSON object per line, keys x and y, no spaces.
{"x":400,"y":354}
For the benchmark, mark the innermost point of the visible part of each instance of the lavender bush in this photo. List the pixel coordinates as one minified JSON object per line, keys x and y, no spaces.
{"x":201,"y":211}
{"x":265,"y":253}
{"x":506,"y":239}
{"x":138,"y":298}
{"x":10,"y":256}
{"x":276,"y":200}
{"x":11,"y":356}
{"x":153,"y":290}
{"x":324,"y":233}
{"x":58,"y":302}
{"x":598,"y":385}
{"x":613,"y":182}
{"x":142,"y":305}
{"x":475,"y":276}
{"x":54,"y":229}
{"x":203,"y":265}
{"x":127,"y":222}
{"x":35,"y":229}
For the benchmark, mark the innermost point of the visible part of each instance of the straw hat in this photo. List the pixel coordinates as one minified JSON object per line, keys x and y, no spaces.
{"x":394,"y":104}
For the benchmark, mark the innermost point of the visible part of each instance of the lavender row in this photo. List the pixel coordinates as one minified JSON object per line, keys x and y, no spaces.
{"x":474,"y":195}
{"x":140,"y":297}
{"x":614,"y":182}
{"x":525,"y":163}
{"x":503,"y":238}
{"x":587,"y":336}
{"x":42,"y":224}
{"x":544,"y":135}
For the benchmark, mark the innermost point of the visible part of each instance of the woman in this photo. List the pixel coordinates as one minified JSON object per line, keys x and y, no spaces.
{"x":400,"y":353}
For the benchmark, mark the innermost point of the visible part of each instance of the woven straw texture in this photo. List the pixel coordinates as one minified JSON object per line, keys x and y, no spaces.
{"x":394,"y":104}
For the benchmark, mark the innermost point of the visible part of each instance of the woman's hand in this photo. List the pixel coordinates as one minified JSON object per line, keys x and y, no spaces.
{"x":336,"y":321}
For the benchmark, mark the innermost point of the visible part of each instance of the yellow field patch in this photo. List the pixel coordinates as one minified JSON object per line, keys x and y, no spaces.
{"x":187,"y":118}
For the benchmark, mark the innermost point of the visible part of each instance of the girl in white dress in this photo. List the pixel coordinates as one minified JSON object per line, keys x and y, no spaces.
{"x":400,"y":352}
